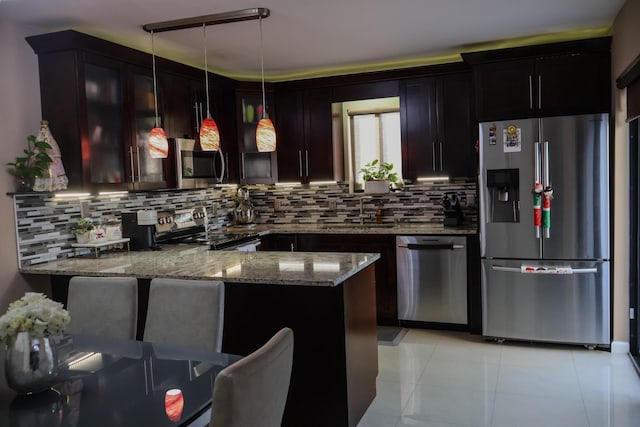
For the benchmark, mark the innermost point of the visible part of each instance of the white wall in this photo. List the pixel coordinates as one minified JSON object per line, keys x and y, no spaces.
{"x":19,"y":117}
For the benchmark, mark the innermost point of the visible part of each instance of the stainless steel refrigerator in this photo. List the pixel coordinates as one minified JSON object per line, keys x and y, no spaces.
{"x":544,"y":229}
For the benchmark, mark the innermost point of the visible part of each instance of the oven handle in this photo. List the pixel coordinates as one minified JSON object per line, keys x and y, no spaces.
{"x":431,"y":246}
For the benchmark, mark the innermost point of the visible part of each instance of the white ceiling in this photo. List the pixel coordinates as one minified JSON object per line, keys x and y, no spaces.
{"x":304,"y":38}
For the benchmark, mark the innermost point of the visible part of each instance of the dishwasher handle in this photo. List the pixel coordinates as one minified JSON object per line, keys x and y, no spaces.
{"x":431,"y":246}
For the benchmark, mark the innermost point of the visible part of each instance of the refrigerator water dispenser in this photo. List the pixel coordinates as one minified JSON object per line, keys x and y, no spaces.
{"x":504,"y":195}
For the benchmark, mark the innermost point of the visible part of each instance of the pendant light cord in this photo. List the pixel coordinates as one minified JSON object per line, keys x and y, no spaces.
{"x":155,"y":90}
{"x":206,"y":67}
{"x":264,"y":102}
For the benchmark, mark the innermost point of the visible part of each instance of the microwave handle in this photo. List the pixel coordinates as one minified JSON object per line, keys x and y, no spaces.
{"x":222,"y":167}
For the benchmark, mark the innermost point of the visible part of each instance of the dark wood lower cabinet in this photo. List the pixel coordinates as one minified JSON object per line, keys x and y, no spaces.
{"x":335,"y":348}
{"x":385,"y":274}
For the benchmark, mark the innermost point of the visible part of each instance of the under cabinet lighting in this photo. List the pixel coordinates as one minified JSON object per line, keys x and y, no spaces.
{"x":322,"y":182}
{"x":71,"y":195}
{"x":112,"y":193}
{"x":288,"y":184}
{"x":433,"y":178}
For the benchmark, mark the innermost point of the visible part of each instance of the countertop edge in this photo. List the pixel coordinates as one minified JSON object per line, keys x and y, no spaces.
{"x":50,"y":269}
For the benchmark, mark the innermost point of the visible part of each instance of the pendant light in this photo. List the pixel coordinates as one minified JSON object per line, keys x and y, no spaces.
{"x":265,"y":132}
{"x":158,"y":144}
{"x":209,"y":135}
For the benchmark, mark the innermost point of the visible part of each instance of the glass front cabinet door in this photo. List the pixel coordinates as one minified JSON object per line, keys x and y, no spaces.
{"x":100,"y":109}
{"x":255,"y":167}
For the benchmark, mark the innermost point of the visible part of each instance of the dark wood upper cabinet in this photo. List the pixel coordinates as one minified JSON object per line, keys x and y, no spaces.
{"x":99,"y":99}
{"x":437,"y":129}
{"x":290,"y":119}
{"x":418,"y":127}
{"x":305,"y":143}
{"x":542,"y":81}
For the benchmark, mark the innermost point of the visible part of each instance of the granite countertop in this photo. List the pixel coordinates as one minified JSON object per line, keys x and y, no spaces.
{"x":197,"y":262}
{"x":343,"y":228}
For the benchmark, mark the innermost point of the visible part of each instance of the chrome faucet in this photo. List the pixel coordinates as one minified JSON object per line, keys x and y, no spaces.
{"x":362,"y":214}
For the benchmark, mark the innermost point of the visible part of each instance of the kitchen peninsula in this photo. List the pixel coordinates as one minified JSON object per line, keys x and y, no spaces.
{"x":328,"y":299}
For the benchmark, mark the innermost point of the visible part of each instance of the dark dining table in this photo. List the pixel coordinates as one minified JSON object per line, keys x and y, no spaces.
{"x":114,"y":382}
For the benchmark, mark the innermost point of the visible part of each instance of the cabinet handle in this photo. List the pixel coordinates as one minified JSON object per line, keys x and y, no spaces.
{"x":306,"y":160}
{"x":441,"y":162}
{"x":226,"y":160}
{"x":530,"y":92}
{"x":133,"y":177}
{"x":300,"y":163}
{"x":243,"y":174}
{"x":195,"y":109}
{"x":433,"y":157}
{"x":540,"y":92}
{"x":138,"y":155}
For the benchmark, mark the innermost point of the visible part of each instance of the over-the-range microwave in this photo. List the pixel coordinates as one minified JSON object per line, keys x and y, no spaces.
{"x":196,"y":168}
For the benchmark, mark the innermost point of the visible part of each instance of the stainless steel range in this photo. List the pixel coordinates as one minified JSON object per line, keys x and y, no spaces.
{"x":189,"y":226}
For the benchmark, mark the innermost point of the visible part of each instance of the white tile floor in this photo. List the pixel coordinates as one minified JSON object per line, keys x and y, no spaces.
{"x":452,"y":379}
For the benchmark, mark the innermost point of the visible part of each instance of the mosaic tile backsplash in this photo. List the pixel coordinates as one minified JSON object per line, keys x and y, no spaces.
{"x":44,"y":221}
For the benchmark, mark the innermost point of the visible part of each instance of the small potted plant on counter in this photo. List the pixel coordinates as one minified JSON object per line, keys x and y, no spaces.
{"x":35,"y":163}
{"x":82,"y":228}
{"x":378,"y":177}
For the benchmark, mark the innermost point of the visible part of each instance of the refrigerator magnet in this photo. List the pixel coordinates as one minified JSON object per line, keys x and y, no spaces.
{"x":512,"y":137}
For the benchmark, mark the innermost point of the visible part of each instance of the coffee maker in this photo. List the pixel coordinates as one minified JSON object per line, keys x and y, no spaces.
{"x":140,"y":227}
{"x":452,"y":210}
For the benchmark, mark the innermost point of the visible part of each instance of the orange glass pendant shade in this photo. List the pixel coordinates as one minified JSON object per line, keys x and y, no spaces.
{"x":158,"y":144}
{"x":173,"y":404}
{"x":209,"y":135}
{"x":266,"y":136}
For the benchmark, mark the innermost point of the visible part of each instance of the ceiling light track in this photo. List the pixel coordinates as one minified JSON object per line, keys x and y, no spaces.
{"x":199,"y":21}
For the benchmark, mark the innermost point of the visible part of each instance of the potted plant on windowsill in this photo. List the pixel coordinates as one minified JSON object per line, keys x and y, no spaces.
{"x":35,"y":163}
{"x":378,"y":177}
{"x":82,"y":228}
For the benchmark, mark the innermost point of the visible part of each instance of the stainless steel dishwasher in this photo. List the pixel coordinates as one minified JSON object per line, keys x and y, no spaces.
{"x":432,"y":279}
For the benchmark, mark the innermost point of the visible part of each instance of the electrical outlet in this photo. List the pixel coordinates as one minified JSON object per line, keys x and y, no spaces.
{"x":215,"y":206}
{"x":332,"y":205}
{"x":277,"y":205}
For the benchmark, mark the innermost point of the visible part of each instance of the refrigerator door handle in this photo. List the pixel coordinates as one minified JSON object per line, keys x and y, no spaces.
{"x":507,"y":269}
{"x":519,"y":270}
{"x":546,"y":181}
{"x":545,"y":165}
{"x":536,"y":178}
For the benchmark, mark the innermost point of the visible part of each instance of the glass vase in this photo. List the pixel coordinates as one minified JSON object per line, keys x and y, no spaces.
{"x":31,"y":363}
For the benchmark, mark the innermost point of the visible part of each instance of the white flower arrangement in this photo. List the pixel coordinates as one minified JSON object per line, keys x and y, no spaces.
{"x":34,"y":313}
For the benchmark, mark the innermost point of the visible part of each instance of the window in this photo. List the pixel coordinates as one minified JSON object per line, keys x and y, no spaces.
{"x":371,"y":130}
{"x":374,"y":136}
